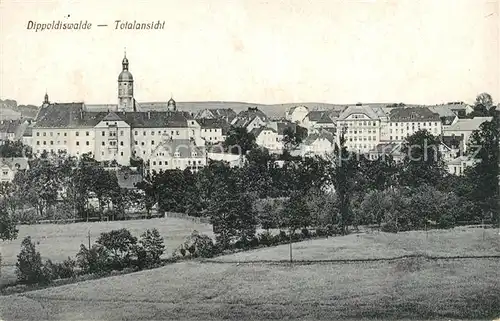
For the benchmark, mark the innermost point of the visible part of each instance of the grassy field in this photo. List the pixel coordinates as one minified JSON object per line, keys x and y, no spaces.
{"x":58,"y":241}
{"x":414,"y":288}
{"x":454,"y":242}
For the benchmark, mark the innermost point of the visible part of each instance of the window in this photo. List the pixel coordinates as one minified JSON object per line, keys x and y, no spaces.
{"x":87,"y":134}
{"x":136,"y":143}
{"x":136,"y":133}
{"x":38,"y":142}
{"x":51,"y":142}
{"x":103,"y":133}
{"x":45,"y":142}
{"x":121,"y":143}
{"x":144,"y":133}
{"x":77,"y":134}
{"x":87,"y":143}
{"x":37,"y":133}
{"x":103,"y":143}
{"x":65,"y":134}
{"x":44,"y":134}
{"x":77,"y":143}
{"x":152,"y":133}
{"x":177,"y":132}
{"x":51,"y":133}
{"x":102,"y":153}
{"x":154,"y":162}
{"x":121,"y":132}
{"x":121,"y":153}
{"x":177,"y":154}
{"x":152,"y":142}
{"x":142,"y":143}
{"x":159,"y":163}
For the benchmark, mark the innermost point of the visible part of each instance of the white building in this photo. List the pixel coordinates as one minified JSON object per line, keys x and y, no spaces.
{"x":404,"y":122}
{"x":296,"y":114}
{"x":213,"y":130}
{"x":111,"y":132}
{"x":268,"y":138}
{"x":465,"y":127}
{"x":178,"y":154}
{"x":321,"y":143}
{"x":361,"y":126}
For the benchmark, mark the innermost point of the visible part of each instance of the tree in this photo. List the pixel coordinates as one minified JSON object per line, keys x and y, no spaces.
{"x":239,"y":141}
{"x":293,"y":138}
{"x":150,"y":248}
{"x":8,"y":230}
{"x":120,"y":244}
{"x":483,"y":106}
{"x":422,"y":163}
{"x":295,"y":213}
{"x":29,"y":263}
{"x":10,"y":149}
{"x":484,"y":175}
{"x":342,"y":173}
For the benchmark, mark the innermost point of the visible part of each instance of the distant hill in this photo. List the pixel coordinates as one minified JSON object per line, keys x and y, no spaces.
{"x":9,"y":109}
{"x":274,"y":110}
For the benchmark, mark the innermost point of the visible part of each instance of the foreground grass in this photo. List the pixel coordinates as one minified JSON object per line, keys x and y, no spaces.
{"x":58,"y":241}
{"x":454,"y":242}
{"x":411,"y":288}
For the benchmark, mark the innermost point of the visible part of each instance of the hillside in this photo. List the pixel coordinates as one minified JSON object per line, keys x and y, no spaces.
{"x":9,"y":109}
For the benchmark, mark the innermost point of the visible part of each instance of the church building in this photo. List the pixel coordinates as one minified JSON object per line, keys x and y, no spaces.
{"x":113,"y":132}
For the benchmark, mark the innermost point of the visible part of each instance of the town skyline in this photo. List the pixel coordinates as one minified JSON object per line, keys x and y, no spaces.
{"x":338,"y":53}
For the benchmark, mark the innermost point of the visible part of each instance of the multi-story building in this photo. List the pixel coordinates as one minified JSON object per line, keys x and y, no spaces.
{"x":213,"y":130}
{"x":361,"y":126}
{"x":404,"y":122}
{"x":111,"y":132}
{"x":176,"y":154}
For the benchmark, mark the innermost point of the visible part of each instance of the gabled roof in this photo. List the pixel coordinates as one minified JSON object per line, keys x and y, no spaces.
{"x":257,"y":131}
{"x":468,"y":124}
{"x":366,"y":110}
{"x":10,"y":126}
{"x":112,"y":117}
{"x":323,"y":134}
{"x":184,"y":147}
{"x":413,"y":114}
{"x":245,"y":117}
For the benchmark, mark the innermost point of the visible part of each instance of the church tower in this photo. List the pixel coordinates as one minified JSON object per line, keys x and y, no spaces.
{"x":46,"y":101}
{"x":125,"y":88}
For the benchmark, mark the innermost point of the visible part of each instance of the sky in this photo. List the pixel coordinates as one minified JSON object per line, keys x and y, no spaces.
{"x":267,"y":52}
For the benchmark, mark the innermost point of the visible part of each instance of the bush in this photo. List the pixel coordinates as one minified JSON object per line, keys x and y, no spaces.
{"x":95,"y":260}
{"x":283,"y":237}
{"x":29,"y":267}
{"x":266,"y":238}
{"x":390,"y":227}
{"x":200,"y":245}
{"x":66,"y":269}
{"x":305,"y":233}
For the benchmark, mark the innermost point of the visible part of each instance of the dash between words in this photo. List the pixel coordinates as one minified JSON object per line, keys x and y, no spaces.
{"x":86,"y":25}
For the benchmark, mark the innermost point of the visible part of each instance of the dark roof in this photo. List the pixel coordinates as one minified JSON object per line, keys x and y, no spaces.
{"x":323,"y":134}
{"x":251,"y":113}
{"x":74,"y":115}
{"x":215,"y":123}
{"x":413,"y":114}
{"x":223,"y":113}
{"x":10,"y":126}
{"x":452,"y":141}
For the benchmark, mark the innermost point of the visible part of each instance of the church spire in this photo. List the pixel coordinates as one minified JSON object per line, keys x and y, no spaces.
{"x":46,"y":98}
{"x":125,"y":60}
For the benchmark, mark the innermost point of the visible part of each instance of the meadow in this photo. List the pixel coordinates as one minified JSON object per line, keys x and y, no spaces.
{"x":58,"y":241}
{"x":412,"y":288}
